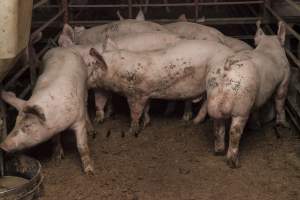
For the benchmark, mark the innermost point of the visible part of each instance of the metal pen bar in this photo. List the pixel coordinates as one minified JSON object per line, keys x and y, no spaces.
{"x":45,"y":25}
{"x":296,"y":35}
{"x":66,"y":11}
{"x":236,"y":20}
{"x":40,"y":3}
{"x":288,"y":52}
{"x":25,"y":91}
{"x":130,"y":9}
{"x":163,"y":5}
{"x":3,"y":135}
{"x":12,"y":81}
{"x":293,"y":4}
{"x":196,"y":10}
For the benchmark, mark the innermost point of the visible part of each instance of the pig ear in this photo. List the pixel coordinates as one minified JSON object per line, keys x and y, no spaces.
{"x":78,"y":30}
{"x":120,"y":16}
{"x":35,"y":110}
{"x":259,"y":33}
{"x":99,"y":59}
{"x":281,"y":32}
{"x":67,"y":37}
{"x":182,"y":18}
{"x":110,"y":45}
{"x":11,"y":99}
{"x":140,"y":16}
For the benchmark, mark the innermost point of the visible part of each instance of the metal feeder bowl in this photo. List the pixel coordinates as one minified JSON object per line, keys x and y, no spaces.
{"x":22,"y":179}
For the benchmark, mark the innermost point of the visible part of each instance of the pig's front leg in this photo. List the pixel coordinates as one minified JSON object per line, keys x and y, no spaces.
{"x":146,"y":116}
{"x":201,"y":114}
{"x":137,"y":106}
{"x":90,"y":128}
{"x":188,"y":111}
{"x":170,"y":108}
{"x":235,"y":133}
{"x":58,"y":152}
{"x":280,"y":97}
{"x":101,"y":99}
{"x":219,"y":131}
{"x":82,"y":146}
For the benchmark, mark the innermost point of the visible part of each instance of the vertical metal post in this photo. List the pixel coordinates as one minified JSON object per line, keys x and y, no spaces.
{"x":3,"y":134}
{"x":130,"y":9}
{"x":265,"y":17}
{"x":66,"y":11}
{"x":196,"y":10}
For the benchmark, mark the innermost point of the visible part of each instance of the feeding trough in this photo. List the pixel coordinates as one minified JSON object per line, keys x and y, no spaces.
{"x":22,"y":179}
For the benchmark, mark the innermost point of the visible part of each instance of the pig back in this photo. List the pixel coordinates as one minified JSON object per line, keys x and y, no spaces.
{"x":61,"y":88}
{"x":193,"y":31}
{"x":118,"y":28}
{"x":146,"y":41}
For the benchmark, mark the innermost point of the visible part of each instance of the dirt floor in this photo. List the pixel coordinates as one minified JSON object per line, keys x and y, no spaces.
{"x":174,"y":160}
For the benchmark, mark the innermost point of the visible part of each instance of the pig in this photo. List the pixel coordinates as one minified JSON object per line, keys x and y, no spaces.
{"x":151,"y":41}
{"x":189,"y":30}
{"x":80,"y":35}
{"x":170,"y":73}
{"x":245,"y":83}
{"x":193,"y":31}
{"x":58,"y":102}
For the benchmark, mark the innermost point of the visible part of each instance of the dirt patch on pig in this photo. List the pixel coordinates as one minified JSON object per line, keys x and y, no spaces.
{"x":174,"y":160}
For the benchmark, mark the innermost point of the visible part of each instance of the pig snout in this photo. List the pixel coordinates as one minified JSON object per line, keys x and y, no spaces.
{"x":9,"y":145}
{"x":18,"y":140}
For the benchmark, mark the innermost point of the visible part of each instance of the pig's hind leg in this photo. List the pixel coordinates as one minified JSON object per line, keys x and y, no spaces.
{"x":280,"y":97}
{"x":236,"y":130}
{"x":219,"y":131}
{"x":58,"y":152}
{"x":82,"y":146}
{"x":201,"y":114}
{"x":146,"y":116}
{"x":188,"y":111}
{"x":137,"y":107}
{"x":170,"y":108}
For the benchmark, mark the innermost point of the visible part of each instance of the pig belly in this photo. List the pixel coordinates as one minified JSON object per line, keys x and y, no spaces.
{"x":182,"y":90}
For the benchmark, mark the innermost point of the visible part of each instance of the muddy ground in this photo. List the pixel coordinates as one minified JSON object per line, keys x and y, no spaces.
{"x":174,"y":160}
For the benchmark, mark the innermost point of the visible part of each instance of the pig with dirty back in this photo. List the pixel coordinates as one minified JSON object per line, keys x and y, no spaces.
{"x":147,"y":41}
{"x":244,"y":84}
{"x":58,"y":102}
{"x":169,"y":73}
{"x":194,"y":31}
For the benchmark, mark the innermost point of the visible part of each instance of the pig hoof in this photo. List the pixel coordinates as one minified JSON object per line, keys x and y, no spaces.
{"x":219,"y":152}
{"x":187,"y":116}
{"x":133,"y":131}
{"x":99,"y":117}
{"x":92,"y":132}
{"x":58,"y":155}
{"x":146,"y":123}
{"x":283,"y":124}
{"x":233,"y":161}
{"x":89,"y":170}
{"x":198,"y":120}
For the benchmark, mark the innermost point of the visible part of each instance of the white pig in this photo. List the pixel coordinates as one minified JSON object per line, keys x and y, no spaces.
{"x":194,"y":31}
{"x":58,"y":102}
{"x":176,"y":72}
{"x":141,"y":42}
{"x":245,"y":83}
